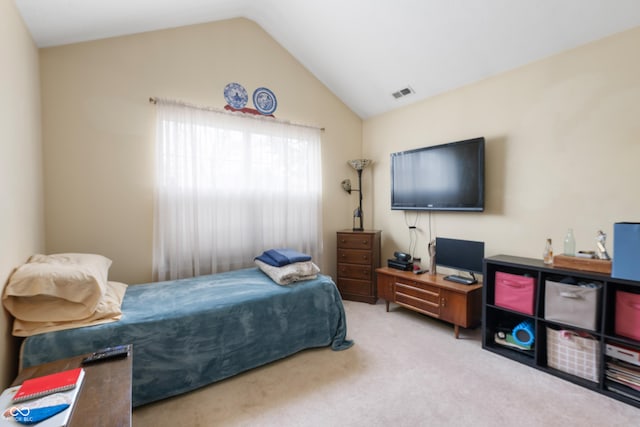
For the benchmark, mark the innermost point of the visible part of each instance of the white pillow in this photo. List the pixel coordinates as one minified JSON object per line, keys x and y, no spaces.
{"x":109,"y":310}
{"x":59,"y":287}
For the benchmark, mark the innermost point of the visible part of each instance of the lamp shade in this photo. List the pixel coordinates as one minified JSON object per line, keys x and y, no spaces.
{"x":359,"y":164}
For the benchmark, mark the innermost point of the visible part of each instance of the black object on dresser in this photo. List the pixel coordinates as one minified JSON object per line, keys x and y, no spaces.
{"x":574,"y":316}
{"x":358,"y":258}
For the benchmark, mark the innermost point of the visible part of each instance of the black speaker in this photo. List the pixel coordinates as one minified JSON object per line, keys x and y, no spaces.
{"x":401,"y":256}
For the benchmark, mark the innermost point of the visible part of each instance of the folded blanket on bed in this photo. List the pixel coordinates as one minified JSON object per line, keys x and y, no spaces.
{"x":282,"y":257}
{"x":290,"y":273}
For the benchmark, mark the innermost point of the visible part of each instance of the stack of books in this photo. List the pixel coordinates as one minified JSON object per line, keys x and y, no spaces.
{"x":626,"y":378}
{"x":623,"y":371}
{"x":47,"y":400}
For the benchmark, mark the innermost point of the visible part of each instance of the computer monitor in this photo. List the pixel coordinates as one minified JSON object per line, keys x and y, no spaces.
{"x":463,"y":255}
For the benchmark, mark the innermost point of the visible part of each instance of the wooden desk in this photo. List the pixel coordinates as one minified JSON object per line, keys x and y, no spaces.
{"x":105,"y":397}
{"x":432,"y":295}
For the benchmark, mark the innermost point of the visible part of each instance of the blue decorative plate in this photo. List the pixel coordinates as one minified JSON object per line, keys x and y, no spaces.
{"x":236,"y":95}
{"x":264,"y":100}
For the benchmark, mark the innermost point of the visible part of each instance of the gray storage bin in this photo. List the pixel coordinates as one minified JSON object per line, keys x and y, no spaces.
{"x":572,"y":304}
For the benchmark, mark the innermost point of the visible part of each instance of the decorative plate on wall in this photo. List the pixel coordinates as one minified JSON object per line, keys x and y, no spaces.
{"x":264,"y":100}
{"x":236,"y":95}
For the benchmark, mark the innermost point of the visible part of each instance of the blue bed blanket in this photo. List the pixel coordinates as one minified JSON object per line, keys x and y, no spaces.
{"x":191,"y":332}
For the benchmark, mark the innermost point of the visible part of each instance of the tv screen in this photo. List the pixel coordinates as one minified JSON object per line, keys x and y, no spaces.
{"x":446,"y":177}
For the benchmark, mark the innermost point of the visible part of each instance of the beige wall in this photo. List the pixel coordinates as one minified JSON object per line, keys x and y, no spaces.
{"x":563,"y":145}
{"x":21,"y":215}
{"x":98,"y":129}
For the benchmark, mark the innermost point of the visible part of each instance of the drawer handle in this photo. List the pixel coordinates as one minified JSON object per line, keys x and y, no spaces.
{"x":513,"y":285}
{"x":633,"y":305}
{"x":444,"y":302}
{"x":365,"y":242}
{"x":569,"y":295}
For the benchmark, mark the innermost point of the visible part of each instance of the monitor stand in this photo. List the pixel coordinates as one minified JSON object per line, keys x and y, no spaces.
{"x":461,"y":279}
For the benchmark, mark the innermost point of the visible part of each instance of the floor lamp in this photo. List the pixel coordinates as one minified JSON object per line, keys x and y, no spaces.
{"x":358,"y":165}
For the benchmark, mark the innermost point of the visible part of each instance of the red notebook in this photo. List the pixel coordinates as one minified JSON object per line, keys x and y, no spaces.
{"x":48,"y":384}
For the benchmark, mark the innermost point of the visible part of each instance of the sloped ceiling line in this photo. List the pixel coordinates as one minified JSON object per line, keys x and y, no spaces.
{"x":364,"y":50}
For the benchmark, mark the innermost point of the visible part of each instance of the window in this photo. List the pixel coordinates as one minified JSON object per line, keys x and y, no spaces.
{"x":229,"y":187}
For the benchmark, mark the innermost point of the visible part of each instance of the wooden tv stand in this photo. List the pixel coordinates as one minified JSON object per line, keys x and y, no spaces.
{"x":432,"y":295}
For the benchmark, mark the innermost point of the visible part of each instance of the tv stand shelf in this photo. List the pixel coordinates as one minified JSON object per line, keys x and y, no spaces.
{"x":495,"y":317}
{"x":432,"y":295}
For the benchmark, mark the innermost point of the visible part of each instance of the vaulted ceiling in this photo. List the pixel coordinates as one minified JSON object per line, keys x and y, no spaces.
{"x":364,"y":51}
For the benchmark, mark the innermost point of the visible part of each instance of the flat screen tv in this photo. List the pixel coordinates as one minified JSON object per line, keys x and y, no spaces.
{"x":446,"y":177}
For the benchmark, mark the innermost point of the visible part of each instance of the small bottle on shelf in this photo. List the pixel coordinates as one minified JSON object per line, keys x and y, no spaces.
{"x":570,"y":243}
{"x":416,"y":264}
{"x":547,"y":256}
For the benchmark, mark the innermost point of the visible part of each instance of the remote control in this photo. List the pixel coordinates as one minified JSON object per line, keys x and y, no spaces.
{"x":117,"y":352}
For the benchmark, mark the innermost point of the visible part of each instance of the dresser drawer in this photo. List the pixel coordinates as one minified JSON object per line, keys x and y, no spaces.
{"x":351,"y":271}
{"x":354,"y":256}
{"x":355,"y":241}
{"x":427,"y":294}
{"x":420,"y":296}
{"x":354,"y":287}
{"x":428,"y":307}
{"x":423,"y":288}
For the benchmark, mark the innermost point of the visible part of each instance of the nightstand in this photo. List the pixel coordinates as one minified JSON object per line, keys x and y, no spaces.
{"x":358,"y":258}
{"x":105,"y":396}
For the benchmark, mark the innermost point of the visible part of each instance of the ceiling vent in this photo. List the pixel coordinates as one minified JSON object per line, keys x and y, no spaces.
{"x":403,"y":92}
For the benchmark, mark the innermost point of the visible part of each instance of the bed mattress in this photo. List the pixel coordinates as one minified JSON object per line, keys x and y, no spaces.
{"x":188,"y":333}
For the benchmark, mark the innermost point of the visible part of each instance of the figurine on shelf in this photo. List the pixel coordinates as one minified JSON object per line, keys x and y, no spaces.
{"x":601,"y":250}
{"x":547,"y":255}
{"x":432,"y":257}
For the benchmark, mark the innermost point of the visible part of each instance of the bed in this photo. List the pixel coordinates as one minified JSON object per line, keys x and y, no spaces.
{"x":188,"y":333}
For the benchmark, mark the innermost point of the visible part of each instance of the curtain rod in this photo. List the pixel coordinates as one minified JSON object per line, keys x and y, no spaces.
{"x":154,"y":100}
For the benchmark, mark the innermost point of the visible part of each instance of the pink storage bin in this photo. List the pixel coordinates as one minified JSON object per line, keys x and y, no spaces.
{"x":628,"y":315}
{"x":515,"y":292}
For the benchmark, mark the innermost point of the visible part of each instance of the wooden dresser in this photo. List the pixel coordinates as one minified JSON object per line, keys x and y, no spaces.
{"x":358,"y":258}
{"x":432,"y":295}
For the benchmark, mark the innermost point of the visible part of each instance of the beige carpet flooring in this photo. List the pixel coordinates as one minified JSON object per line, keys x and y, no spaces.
{"x":405,"y":369}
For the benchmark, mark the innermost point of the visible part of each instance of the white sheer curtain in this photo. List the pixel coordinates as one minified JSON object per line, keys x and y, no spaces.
{"x":229,"y":187}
